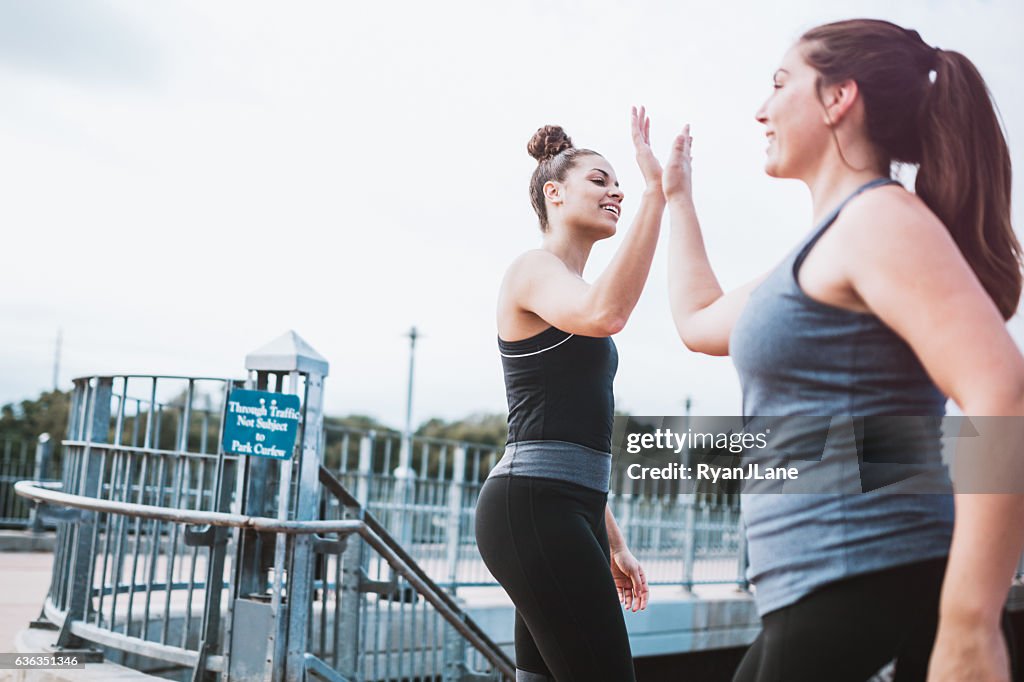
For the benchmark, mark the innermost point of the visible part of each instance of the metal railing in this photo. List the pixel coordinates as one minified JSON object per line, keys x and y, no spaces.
{"x":398,"y":633}
{"x":139,"y":582}
{"x":415,"y":632}
{"x":20,"y":460}
{"x":17,"y":464}
{"x":682,"y":539}
{"x":172,"y":555}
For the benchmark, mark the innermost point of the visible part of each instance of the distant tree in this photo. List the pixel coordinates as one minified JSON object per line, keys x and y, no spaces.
{"x":361,"y":422}
{"x":48,"y":413}
{"x":27,"y":419}
{"x":338,"y":449}
{"x":486,"y":429}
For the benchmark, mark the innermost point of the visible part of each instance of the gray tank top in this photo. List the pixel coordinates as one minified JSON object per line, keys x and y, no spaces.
{"x":799,"y":357}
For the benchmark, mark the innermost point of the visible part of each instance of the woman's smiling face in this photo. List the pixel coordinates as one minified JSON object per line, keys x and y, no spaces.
{"x":794,"y":118}
{"x":590,"y":197}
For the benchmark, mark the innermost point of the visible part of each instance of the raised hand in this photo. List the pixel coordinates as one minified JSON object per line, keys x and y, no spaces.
{"x":650,"y":167}
{"x":676,"y":180}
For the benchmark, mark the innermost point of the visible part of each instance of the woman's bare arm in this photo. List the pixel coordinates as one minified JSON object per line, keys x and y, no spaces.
{"x":703,"y":314}
{"x":539,"y":282}
{"x":904,"y":265}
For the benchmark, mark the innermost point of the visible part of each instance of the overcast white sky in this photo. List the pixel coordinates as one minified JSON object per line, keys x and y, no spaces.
{"x":184,"y":181}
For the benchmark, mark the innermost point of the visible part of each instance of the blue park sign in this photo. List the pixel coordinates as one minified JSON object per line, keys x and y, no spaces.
{"x":261,"y":423}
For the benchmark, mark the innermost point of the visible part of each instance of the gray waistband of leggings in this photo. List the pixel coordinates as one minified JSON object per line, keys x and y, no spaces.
{"x":570,"y":462}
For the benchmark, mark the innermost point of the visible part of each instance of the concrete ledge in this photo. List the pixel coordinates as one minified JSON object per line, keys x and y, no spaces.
{"x":25,"y":541}
{"x":674,"y":622}
{"x":40,"y":641}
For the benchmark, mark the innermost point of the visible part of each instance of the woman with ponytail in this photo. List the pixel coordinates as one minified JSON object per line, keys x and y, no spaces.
{"x":543,"y":526}
{"x":892,"y":303}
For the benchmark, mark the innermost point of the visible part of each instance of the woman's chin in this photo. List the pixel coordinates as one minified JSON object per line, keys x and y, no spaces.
{"x":602,"y":230}
{"x":775,"y":170}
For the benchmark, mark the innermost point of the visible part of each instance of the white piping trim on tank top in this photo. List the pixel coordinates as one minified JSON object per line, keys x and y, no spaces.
{"x":538,"y":352}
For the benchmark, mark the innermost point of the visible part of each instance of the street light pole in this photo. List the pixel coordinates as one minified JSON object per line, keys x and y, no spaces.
{"x":403,"y":490}
{"x":413,"y":335}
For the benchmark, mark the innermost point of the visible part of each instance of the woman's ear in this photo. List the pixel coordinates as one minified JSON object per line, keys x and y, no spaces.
{"x":839,"y":100}
{"x":553,"y":191}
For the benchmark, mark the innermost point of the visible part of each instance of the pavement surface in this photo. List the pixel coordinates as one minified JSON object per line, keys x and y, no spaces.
{"x":24,"y":580}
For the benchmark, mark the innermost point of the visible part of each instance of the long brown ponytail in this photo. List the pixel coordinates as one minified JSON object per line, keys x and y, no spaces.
{"x":931,"y":107}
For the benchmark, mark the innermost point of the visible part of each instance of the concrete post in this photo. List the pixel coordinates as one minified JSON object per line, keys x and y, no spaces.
{"x":354,"y":564}
{"x":365,"y":469}
{"x":453,"y":536}
{"x":689,"y":539}
{"x":300,"y":575}
{"x":403,"y":494}
{"x":353,"y":568}
{"x":43,"y":450}
{"x":283,"y":623}
{"x":97,"y":423}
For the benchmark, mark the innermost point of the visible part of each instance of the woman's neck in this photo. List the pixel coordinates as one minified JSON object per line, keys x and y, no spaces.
{"x":573,"y":252}
{"x":832,"y":183}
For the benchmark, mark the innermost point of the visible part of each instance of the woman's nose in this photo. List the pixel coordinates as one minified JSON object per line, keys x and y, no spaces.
{"x":760,"y":116}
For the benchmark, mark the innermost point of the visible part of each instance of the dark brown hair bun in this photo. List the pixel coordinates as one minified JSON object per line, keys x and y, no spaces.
{"x":548,"y":142}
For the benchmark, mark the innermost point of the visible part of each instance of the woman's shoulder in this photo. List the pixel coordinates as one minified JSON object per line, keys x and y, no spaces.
{"x":535,"y":258}
{"x":888,"y":217}
{"x":525,"y":269}
{"x":888,"y":242}
{"x":531,"y":264}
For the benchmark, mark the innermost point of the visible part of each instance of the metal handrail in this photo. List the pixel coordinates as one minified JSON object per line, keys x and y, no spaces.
{"x":139,"y":449}
{"x":181,"y":377}
{"x":375,"y":536}
{"x":423,"y":582}
{"x":48,"y":493}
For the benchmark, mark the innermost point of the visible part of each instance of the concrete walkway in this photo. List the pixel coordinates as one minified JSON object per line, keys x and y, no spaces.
{"x":710,"y":618}
{"x":25,"y":577}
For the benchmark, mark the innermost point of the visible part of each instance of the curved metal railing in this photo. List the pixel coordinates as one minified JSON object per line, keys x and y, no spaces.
{"x":368,"y":529}
{"x":156,"y":561}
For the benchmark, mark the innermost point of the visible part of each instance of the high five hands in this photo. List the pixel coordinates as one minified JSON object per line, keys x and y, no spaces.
{"x":650,"y":167}
{"x":674,"y":180}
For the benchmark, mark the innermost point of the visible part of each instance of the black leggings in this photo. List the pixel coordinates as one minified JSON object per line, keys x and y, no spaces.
{"x":545,"y":541}
{"x":850,"y":629}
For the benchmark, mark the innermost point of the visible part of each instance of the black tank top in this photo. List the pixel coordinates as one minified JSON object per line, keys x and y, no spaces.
{"x":559,"y":387}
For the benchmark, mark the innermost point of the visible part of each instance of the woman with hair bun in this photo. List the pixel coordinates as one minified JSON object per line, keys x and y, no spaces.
{"x":543,"y":525}
{"x":893,"y":302}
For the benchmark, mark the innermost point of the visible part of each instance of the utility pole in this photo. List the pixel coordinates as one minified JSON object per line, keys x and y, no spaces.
{"x":413,"y":335}
{"x":401,"y":524}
